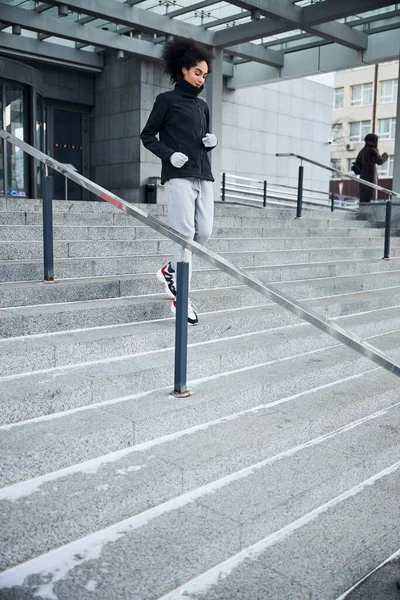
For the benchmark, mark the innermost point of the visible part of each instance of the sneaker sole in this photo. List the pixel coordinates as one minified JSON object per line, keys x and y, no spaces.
{"x":161,"y":279}
{"x":192,"y":323}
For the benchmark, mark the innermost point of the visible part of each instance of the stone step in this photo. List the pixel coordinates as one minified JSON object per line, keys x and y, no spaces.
{"x":352,"y":291}
{"x":310,"y":557}
{"x":157,"y":210}
{"x":27,"y":270}
{"x":44,"y":351}
{"x":155,"y":419}
{"x":30,"y":395}
{"x":221,"y":220}
{"x":25,"y":250}
{"x":21,"y":293}
{"x":292,"y":484}
{"x":69,"y":233}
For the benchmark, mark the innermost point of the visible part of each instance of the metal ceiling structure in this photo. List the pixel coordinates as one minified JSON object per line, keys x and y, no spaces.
{"x":260,"y":40}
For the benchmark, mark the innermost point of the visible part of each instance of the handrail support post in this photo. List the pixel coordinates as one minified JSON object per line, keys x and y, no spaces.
{"x":388,"y":227}
{"x":300,"y":191}
{"x":48,"y":247}
{"x":332,"y":201}
{"x":223,"y":187}
{"x":181,"y":330}
{"x":265,"y":194}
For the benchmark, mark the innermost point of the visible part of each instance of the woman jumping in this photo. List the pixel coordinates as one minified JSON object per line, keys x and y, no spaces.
{"x":181,"y":120}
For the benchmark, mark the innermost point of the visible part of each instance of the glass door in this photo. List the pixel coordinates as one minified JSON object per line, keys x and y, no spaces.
{"x":2,"y":157}
{"x":67,"y":142}
{"x":15,"y":122}
{"x":40,"y":131}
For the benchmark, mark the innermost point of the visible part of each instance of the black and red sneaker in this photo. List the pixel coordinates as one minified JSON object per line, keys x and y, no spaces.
{"x":166,"y":275}
{"x":193,"y":319}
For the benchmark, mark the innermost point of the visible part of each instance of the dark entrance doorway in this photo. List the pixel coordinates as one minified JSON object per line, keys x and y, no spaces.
{"x":68,"y":142}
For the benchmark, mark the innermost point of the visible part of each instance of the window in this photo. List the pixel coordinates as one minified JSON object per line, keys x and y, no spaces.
{"x":358,"y":130}
{"x":338,"y":98}
{"x":361,"y":95}
{"x":389,"y":90}
{"x":336,"y":163}
{"x":386,"y":170}
{"x":386,"y":128}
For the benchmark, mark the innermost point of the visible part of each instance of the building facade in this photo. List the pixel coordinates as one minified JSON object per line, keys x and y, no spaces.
{"x":92,"y":121}
{"x":365,"y":100}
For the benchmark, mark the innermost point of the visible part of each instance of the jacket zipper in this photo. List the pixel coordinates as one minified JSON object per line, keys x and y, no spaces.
{"x":202,"y":135}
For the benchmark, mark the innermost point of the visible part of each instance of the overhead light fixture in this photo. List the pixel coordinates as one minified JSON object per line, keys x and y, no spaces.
{"x":16,"y":29}
{"x":120,"y":54}
{"x":63,"y":10}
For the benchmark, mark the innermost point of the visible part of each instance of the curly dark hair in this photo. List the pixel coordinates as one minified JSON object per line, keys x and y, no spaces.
{"x":181,"y":52}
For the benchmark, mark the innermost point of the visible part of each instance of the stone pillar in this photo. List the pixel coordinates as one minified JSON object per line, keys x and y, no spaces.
{"x":396,"y":165}
{"x":115,"y":127}
{"x":214,"y":86}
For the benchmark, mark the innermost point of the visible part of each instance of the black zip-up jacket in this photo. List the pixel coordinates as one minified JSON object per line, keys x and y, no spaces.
{"x":181,"y":119}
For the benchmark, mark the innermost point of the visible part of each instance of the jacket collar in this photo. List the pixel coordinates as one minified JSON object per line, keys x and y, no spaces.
{"x":187,"y":89}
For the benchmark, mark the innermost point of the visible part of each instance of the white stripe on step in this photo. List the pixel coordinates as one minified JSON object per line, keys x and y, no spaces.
{"x":26,"y":488}
{"x":56,"y":564}
{"x":201,"y":584}
{"x":382,"y":564}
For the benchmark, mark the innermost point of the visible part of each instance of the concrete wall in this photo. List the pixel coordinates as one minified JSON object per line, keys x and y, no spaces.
{"x":154,"y":82}
{"x":68,"y":85}
{"x":291,"y":116}
{"x":115,"y":127}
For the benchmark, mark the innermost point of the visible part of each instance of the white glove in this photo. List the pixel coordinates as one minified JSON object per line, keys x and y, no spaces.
{"x":177,"y":159}
{"x":210,"y":140}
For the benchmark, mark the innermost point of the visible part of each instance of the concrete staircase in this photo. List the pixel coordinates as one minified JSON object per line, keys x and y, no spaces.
{"x":278,"y":478}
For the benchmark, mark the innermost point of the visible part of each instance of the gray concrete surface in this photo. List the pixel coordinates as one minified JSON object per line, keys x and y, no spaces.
{"x":283,"y":462}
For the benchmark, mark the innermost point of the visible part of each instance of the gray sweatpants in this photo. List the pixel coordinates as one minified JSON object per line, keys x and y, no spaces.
{"x":191,"y":212}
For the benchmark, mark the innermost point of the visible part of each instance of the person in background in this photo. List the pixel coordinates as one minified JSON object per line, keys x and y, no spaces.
{"x":367,"y":160}
{"x":182,"y":122}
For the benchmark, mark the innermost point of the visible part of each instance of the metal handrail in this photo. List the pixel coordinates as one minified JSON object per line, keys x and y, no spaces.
{"x":277,"y":196}
{"x":269,"y":291}
{"x":293,"y":187}
{"x":342,"y":173}
{"x":236,"y":187}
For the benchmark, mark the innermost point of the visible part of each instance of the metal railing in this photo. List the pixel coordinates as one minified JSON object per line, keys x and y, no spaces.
{"x":262,"y":191}
{"x":342,"y":174}
{"x":389,"y":202}
{"x":269,"y":291}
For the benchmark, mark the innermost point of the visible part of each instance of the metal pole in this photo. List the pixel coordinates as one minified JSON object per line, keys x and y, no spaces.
{"x":48,"y":254}
{"x":300,"y":192}
{"x":332,"y":201}
{"x":265,"y":195}
{"x":181,"y":326}
{"x":388,"y":227}
{"x":223,"y":187}
{"x":66,"y":188}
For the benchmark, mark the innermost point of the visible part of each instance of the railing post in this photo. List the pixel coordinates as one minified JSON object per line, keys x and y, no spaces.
{"x":48,"y":254}
{"x":181,"y":327}
{"x":300,"y":192}
{"x":388,"y":227}
{"x":265,"y":194}
{"x":332,"y":201}
{"x":223,"y":187}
